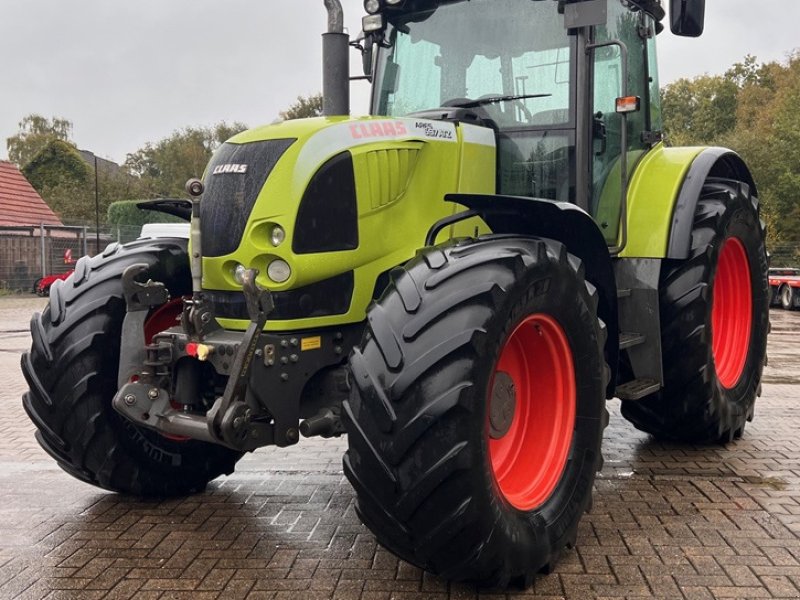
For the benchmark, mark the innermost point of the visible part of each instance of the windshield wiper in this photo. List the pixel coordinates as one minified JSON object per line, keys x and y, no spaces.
{"x":496,"y":99}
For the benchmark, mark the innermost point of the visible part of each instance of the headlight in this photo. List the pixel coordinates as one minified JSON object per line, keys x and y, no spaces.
{"x":372,"y":23}
{"x":372,"y":6}
{"x":279,"y":271}
{"x":277,"y":235}
{"x":238,"y":274}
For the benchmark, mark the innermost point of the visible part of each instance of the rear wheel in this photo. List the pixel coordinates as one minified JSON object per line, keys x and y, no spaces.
{"x":714,"y":320}
{"x":72,"y":373}
{"x":477,"y":409}
{"x":787,"y":297}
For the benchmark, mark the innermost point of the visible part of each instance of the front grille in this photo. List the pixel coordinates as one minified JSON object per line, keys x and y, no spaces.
{"x":234,"y":179}
{"x":324,"y":298}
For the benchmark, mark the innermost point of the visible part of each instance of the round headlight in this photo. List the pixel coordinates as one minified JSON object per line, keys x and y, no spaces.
{"x":372,"y":6}
{"x":277,"y":235}
{"x":238,"y":274}
{"x":279,"y":271}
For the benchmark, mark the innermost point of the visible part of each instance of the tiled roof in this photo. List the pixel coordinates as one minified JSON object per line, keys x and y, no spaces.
{"x":20,"y":204}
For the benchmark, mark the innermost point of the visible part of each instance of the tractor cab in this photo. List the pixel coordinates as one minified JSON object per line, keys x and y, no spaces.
{"x":570,"y":88}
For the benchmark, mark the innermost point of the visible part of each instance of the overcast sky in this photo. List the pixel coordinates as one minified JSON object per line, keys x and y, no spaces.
{"x":126,"y":73}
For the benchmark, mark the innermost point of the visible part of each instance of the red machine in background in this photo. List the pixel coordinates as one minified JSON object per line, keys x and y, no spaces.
{"x":784,"y":284}
{"x":41,"y":287}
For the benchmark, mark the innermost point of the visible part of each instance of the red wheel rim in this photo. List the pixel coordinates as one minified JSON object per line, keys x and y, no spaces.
{"x":731,"y":312}
{"x":528,"y":455}
{"x":162,"y":318}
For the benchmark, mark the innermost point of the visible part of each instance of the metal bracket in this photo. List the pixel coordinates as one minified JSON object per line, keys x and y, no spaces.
{"x":150,"y":406}
{"x":139,"y":299}
{"x":229,"y":417}
{"x":651,"y":138}
{"x":197,"y":318}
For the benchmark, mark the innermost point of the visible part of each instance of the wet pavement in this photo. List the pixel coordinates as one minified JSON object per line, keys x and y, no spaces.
{"x":668,"y":521}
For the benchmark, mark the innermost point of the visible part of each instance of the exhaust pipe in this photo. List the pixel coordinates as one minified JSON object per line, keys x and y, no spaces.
{"x":335,"y":63}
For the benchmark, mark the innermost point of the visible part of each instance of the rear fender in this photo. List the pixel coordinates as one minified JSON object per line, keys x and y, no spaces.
{"x":569,"y":225}
{"x":664,"y":191}
{"x":711,"y":162}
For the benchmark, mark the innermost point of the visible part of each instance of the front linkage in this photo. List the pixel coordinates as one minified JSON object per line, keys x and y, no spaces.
{"x":170,"y":384}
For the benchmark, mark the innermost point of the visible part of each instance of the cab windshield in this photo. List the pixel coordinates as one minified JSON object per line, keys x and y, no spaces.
{"x":512,"y":63}
{"x":498,"y":50}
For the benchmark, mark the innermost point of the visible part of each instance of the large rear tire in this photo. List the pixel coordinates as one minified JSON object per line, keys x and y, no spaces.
{"x":477,"y":409}
{"x":714,"y":324}
{"x":72,"y":373}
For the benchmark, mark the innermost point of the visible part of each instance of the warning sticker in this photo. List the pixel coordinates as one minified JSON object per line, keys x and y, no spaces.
{"x":311,"y":343}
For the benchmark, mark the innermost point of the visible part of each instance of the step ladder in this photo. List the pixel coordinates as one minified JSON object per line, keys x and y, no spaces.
{"x":639,"y":326}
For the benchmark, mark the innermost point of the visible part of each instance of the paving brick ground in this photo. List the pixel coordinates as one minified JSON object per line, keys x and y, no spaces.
{"x":668,"y":521}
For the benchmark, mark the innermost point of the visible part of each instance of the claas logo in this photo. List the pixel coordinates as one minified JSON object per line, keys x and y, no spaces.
{"x":230,"y":168}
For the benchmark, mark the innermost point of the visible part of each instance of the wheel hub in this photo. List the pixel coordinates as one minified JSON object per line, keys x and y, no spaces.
{"x":502,"y":405}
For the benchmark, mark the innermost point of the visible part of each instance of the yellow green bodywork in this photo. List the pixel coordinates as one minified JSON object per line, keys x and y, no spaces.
{"x":401,"y":181}
{"x":655,"y":183}
{"x":402,"y":173}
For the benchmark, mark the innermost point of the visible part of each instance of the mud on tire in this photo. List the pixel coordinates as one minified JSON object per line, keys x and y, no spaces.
{"x":72,"y":374}
{"x":417,"y":423}
{"x":707,"y":396}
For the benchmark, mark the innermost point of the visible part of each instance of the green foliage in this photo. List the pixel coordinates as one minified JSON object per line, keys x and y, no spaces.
{"x":700,"y":110}
{"x":125,"y":214}
{"x":58,"y":162}
{"x":305,"y":107}
{"x":164,"y":167}
{"x":36,"y":132}
{"x":751,"y":109}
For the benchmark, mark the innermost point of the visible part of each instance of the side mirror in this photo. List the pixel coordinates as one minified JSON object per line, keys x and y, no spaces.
{"x":687,"y":17}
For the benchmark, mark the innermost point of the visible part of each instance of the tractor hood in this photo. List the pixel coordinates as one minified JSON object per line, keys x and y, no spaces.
{"x":332,"y":197}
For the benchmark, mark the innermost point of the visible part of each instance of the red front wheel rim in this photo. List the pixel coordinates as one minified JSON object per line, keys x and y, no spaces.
{"x":731,"y":313}
{"x":162,"y":318}
{"x":531,"y":412}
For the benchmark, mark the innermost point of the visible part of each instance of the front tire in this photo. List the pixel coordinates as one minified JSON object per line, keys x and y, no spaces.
{"x":714,"y":323}
{"x":72,"y":373}
{"x":477,"y":409}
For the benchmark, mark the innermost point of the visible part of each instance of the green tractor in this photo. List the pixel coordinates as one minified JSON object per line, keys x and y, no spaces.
{"x":459,"y":283}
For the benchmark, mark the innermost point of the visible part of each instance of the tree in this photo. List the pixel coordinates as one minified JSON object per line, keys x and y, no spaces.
{"x":700,"y":110}
{"x":305,"y":107}
{"x":164,"y":167}
{"x":58,"y":162}
{"x":751,"y":109}
{"x":35,"y":132}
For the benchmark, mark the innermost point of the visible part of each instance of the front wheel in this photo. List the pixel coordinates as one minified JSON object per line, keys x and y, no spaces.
{"x":714,"y":321}
{"x":72,"y":372}
{"x":477,"y":409}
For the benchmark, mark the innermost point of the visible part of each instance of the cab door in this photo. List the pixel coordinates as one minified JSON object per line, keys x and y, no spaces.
{"x":636,"y":30}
